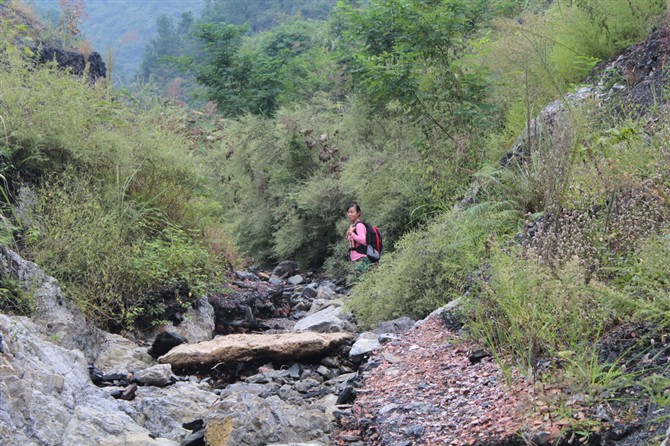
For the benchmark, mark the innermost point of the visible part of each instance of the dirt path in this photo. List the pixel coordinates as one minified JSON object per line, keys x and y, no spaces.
{"x":426,"y":391}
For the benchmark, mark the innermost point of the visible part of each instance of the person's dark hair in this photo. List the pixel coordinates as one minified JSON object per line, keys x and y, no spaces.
{"x":353,"y":204}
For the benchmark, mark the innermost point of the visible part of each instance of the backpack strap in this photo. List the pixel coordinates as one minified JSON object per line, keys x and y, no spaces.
{"x":362,"y":247}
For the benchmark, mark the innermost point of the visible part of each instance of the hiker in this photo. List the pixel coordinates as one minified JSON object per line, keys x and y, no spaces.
{"x":356,"y":234}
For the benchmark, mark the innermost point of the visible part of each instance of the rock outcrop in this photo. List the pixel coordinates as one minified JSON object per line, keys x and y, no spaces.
{"x":330,"y":319}
{"x":92,"y":65}
{"x":240,"y":418}
{"x":232,"y":349}
{"x":55,"y":317}
{"x":47,"y":398}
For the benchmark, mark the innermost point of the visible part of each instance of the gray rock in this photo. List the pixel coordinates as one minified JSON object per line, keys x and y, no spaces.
{"x":196,"y":438}
{"x":198,"y":324}
{"x":285,"y":269}
{"x":247,"y":275}
{"x":325,"y":372}
{"x":246,"y":420}
{"x":305,"y":385}
{"x":388,"y":337}
{"x":310,"y":291}
{"x":326,"y":291}
{"x":330,"y":320}
{"x":163,"y":411}
{"x":55,"y":317}
{"x":295,"y":280}
{"x":47,"y":398}
{"x":552,"y":123}
{"x":294,"y":371}
{"x":396,"y":326}
{"x":159,"y":375}
{"x":444,"y":310}
{"x":121,"y":355}
{"x":367,"y":342}
{"x":250,"y":388}
{"x":319,"y":304}
{"x":288,"y":393}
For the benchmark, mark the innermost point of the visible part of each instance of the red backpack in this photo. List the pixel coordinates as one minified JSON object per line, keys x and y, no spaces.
{"x":373,"y":243}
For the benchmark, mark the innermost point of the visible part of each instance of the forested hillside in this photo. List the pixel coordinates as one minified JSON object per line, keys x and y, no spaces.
{"x":511,"y":164}
{"x":117,"y":29}
{"x":121,"y":29}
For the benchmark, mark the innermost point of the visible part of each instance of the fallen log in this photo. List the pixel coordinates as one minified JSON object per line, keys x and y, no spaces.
{"x":240,"y":348}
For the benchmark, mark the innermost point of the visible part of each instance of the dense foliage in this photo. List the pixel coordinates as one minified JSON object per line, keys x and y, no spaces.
{"x":109,"y":201}
{"x":121,"y":29}
{"x":262,"y":15}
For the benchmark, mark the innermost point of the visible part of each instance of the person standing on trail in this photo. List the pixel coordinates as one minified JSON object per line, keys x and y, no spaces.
{"x":356,"y":235}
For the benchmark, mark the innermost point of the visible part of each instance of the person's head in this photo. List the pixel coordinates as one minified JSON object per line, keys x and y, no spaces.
{"x":353,"y":212}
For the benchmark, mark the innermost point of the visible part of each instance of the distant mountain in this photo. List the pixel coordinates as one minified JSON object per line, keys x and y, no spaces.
{"x":121,"y":27}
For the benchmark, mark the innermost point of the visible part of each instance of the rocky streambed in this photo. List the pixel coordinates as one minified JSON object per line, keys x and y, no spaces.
{"x":273,"y":361}
{"x":276,"y":360}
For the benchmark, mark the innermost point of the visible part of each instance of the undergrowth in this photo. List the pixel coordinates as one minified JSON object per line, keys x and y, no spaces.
{"x":110,"y":201}
{"x":13,"y":298}
{"x":433,"y":266}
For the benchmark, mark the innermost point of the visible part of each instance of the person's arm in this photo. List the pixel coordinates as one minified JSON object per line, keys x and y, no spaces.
{"x":359,"y":235}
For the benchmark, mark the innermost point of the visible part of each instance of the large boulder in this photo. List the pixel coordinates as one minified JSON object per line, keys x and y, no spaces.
{"x":241,"y":418}
{"x":285,"y":269}
{"x":121,"y":355}
{"x":329,"y":320}
{"x":79,"y":65}
{"x":163,"y":411}
{"x":46,"y":393}
{"x":55,"y":317}
{"x":47,"y":398}
{"x":365,"y":343}
{"x":232,"y":349}
{"x":198,"y":325}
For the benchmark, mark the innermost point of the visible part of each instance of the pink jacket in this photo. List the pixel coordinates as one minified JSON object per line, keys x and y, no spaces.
{"x":356,"y":239}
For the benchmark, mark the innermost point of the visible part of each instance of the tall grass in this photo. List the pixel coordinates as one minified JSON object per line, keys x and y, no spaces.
{"x":433,"y":266}
{"x":539,"y":57}
{"x":123,"y":216}
{"x":529,"y":311}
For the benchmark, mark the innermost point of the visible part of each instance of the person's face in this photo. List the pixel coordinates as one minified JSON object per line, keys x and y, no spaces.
{"x":353,"y":214}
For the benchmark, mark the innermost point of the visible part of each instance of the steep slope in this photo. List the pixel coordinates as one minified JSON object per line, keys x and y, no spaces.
{"x":431,"y":387}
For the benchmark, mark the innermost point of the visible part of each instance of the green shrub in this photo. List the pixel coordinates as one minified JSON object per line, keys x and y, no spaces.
{"x":287,"y":180}
{"x":13,"y":298}
{"x":433,"y":266}
{"x":598,"y":30}
{"x":125,"y":217}
{"x":645,"y":277}
{"x":611,"y":197}
{"x":526,"y":310}
{"x":109,"y":258}
{"x":339,"y":264}
{"x":248,"y":163}
{"x":307,"y":219}
{"x":542,"y":56}
{"x":55,"y":121}
{"x":377,"y":176}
